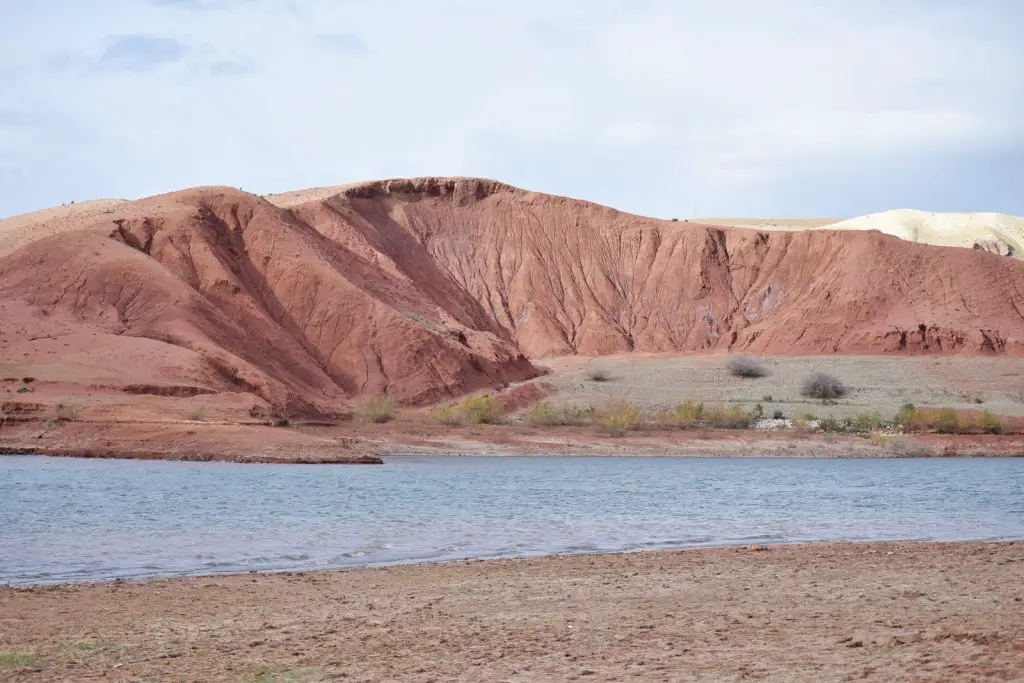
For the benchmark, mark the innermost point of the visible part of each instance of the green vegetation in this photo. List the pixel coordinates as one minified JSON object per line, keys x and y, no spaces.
{"x":473,"y":410}
{"x":480,"y":410}
{"x":686,"y":415}
{"x":727,"y":417}
{"x":379,"y":410}
{"x":620,"y":417}
{"x":14,"y":660}
{"x":989,"y":423}
{"x":544,"y":414}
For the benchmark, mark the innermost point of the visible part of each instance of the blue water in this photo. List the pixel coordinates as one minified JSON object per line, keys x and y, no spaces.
{"x":82,"y":520}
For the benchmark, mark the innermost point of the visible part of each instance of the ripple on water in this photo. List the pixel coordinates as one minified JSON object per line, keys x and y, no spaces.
{"x":72,"y":520}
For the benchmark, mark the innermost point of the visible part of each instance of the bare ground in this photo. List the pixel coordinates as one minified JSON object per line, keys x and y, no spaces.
{"x":877,"y":383}
{"x":831,"y":612}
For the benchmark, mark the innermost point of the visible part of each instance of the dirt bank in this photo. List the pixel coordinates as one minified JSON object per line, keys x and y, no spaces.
{"x":833,"y":612}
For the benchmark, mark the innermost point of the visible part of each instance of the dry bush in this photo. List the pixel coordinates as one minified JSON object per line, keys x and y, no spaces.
{"x":748,"y":368}
{"x":544,"y":414}
{"x":447,"y":415}
{"x":599,"y":374}
{"x":989,"y":423}
{"x":620,"y":417}
{"x":686,"y":415}
{"x":379,"y":410}
{"x":480,"y":410}
{"x":727,"y":417}
{"x":823,"y":386}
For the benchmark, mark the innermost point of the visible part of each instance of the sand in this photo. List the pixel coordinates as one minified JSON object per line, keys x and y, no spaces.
{"x":998,"y":233}
{"x":830,"y":612}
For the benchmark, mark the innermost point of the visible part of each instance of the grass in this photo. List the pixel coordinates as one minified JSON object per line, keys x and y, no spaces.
{"x":379,"y":410}
{"x":473,"y":410}
{"x":14,"y":660}
{"x":544,"y":414}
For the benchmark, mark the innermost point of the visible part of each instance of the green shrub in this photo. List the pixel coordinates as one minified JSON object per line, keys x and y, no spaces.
{"x":728,"y":417}
{"x":447,"y":415}
{"x":620,"y":417}
{"x":378,"y":410}
{"x":480,"y":410}
{"x":544,"y":414}
{"x":831,"y":425}
{"x":866,"y":423}
{"x":777,"y":415}
{"x":757,"y":412}
{"x":946,"y":421}
{"x":989,"y":423}
{"x":768,"y":398}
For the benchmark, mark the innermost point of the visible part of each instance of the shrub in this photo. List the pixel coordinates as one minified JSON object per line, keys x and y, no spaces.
{"x":24,"y":390}
{"x":831,"y":425}
{"x":989,"y":423}
{"x":768,"y":398}
{"x":747,"y":368}
{"x":620,"y":417}
{"x":544,"y":414}
{"x":777,"y":415}
{"x":728,"y":417}
{"x":447,"y":415}
{"x":378,"y":410}
{"x":946,"y":421}
{"x":66,"y":412}
{"x":480,"y":410}
{"x":197,"y":414}
{"x":757,"y":412}
{"x":866,"y":423}
{"x":598,"y":375}
{"x":823,"y":386}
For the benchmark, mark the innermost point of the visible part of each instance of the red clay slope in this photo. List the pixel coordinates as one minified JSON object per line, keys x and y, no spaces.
{"x":562,"y":276}
{"x":433,"y":287}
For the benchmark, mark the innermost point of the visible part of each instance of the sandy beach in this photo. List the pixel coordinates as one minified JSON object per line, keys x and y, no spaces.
{"x":828,"y":612}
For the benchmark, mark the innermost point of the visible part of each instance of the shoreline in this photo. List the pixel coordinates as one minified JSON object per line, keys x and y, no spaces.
{"x":752,"y":546}
{"x":349,"y":443}
{"x":876,"y":611}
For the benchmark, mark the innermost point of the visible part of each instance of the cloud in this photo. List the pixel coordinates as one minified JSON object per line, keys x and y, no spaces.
{"x":140,"y":52}
{"x":662,"y":107}
{"x":229,"y":68}
{"x":348,"y":43}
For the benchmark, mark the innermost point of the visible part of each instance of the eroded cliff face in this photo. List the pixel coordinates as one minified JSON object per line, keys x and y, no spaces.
{"x":429,"y":288}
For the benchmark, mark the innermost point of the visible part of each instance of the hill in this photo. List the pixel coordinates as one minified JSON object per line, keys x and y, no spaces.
{"x":433,"y":287}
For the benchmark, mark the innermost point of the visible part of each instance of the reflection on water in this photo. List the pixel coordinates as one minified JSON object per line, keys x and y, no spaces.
{"x":79,"y":520}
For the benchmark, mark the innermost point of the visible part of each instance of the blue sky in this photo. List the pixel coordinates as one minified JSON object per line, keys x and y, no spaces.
{"x":671,"y":108}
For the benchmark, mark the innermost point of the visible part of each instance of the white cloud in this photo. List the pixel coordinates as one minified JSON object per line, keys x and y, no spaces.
{"x":725,"y":107}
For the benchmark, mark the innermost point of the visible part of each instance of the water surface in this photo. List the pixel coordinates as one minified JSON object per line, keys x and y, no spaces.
{"x":80,"y":520}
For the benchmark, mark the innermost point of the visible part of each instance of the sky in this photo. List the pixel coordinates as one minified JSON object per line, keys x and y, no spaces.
{"x":667,"y":108}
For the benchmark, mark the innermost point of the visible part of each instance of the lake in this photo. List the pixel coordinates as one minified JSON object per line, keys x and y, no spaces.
{"x":70,"y":520}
